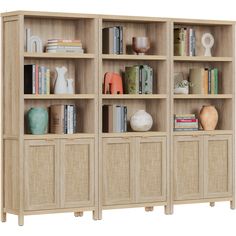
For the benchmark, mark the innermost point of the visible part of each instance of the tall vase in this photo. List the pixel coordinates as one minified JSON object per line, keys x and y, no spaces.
{"x":208,"y":117}
{"x":37,"y":120}
{"x":61,"y":83}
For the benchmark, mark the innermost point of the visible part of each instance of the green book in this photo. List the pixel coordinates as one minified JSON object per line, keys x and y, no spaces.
{"x":132,"y":80}
{"x":216,"y":80}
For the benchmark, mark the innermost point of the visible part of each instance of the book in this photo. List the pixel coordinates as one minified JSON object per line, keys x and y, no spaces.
{"x":57,"y":119}
{"x":196,"y":77}
{"x":212,"y":81}
{"x":29,"y":79}
{"x":132,"y":80}
{"x":216,"y":81}
{"x":205,"y":81}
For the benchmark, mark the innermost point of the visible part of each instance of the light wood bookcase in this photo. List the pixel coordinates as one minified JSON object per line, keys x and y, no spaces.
{"x":92,"y":170}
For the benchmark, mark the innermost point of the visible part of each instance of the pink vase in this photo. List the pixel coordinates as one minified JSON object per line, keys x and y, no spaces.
{"x":208,"y":117}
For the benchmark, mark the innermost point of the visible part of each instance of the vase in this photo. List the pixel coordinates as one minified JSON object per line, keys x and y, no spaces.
{"x":181,"y":90}
{"x":140,"y":45}
{"x":208,"y":117}
{"x":61,"y":83}
{"x":141,"y":121}
{"x":37,"y":120}
{"x":70,"y":86}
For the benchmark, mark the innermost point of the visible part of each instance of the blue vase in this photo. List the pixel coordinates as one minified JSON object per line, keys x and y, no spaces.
{"x":37,"y":120}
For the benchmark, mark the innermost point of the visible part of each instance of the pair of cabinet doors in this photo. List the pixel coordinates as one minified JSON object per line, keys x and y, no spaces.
{"x":202,"y":167}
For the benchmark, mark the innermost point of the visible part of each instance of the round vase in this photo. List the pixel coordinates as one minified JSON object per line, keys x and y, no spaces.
{"x":208,"y":117}
{"x":37,"y":120}
{"x":141,"y":121}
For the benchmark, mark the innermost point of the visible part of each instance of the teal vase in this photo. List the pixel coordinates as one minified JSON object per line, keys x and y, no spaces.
{"x":37,"y":120}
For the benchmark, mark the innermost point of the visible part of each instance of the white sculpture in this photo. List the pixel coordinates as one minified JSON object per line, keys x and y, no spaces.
{"x":61,"y":83}
{"x":207,"y":42}
{"x":70,"y":86}
{"x":141,"y":121}
{"x":33,"y":43}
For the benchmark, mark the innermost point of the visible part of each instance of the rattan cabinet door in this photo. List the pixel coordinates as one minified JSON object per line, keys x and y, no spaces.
{"x":151,"y":169}
{"x":118,"y":171}
{"x":218,"y":166}
{"x":188,"y":167}
{"x":41,"y":175}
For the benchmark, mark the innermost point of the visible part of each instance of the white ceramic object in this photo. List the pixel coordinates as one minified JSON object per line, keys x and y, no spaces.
{"x":33,"y":43}
{"x":183,"y":90}
{"x":61,"y":83}
{"x":141,"y":121}
{"x":207,"y":42}
{"x":70,"y":86}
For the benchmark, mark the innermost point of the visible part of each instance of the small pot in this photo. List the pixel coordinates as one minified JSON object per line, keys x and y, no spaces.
{"x":140,"y":45}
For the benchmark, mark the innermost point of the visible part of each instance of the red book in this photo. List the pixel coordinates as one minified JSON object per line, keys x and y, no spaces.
{"x":186,"y":120}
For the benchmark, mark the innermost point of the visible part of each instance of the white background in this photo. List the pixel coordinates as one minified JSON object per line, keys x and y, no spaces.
{"x":198,"y":219}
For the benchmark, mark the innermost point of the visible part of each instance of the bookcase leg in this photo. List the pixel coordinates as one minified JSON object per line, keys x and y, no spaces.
{"x":3,"y":216}
{"x":97,"y":214}
{"x":149,"y":208}
{"x":79,"y":213}
{"x":212,"y":204}
{"x":232,"y":204}
{"x":20,"y":220}
{"x":169,"y":209}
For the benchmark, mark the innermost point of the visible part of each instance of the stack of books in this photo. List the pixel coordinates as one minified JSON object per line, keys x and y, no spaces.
{"x":36,"y":79}
{"x":63,"y":119}
{"x":114,"y":118}
{"x":185,"y":122}
{"x":204,"y":81}
{"x":139,"y":79}
{"x":184,"y":41}
{"x":64,"y":45}
{"x":113,"y":40}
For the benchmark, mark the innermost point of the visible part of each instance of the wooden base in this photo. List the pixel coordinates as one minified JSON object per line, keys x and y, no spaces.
{"x":232,"y":204}
{"x":212,"y":204}
{"x":168,"y":209}
{"x":20,"y":220}
{"x":149,"y":208}
{"x":3,"y":216}
{"x":78,"y":214}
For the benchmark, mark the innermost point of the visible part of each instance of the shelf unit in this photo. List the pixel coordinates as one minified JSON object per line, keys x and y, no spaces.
{"x":94,"y":171}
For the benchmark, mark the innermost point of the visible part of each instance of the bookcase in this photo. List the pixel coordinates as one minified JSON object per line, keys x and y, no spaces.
{"x":91,"y":170}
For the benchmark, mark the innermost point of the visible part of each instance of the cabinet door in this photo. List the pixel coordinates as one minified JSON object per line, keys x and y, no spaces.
{"x":77,"y":172}
{"x":151,"y":169}
{"x":118,"y":171}
{"x":41,"y":175}
{"x":188,"y":167}
{"x":218,"y":166}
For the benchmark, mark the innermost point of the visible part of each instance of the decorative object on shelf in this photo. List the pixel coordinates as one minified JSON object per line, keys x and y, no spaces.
{"x":61,"y":85}
{"x":141,"y":121}
{"x":140,"y":45}
{"x":33,"y":43}
{"x":112,"y":83}
{"x":182,"y":87}
{"x":70,"y":86}
{"x":37,"y":120}
{"x":207,"y":42}
{"x":208,"y":117}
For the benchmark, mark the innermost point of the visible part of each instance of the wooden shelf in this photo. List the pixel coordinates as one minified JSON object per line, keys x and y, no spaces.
{"x":203,"y":132}
{"x":133,"y":57}
{"x":134,"y":96}
{"x":59,"y":55}
{"x":134,"y":134}
{"x":203,"y":96}
{"x":202,"y":58}
{"x":59,"y":96}
{"x":59,"y":136}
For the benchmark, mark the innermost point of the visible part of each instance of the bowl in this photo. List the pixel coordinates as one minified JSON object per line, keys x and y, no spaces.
{"x":140,"y":45}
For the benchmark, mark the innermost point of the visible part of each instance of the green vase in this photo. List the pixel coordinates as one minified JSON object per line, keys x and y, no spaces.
{"x":37,"y":120}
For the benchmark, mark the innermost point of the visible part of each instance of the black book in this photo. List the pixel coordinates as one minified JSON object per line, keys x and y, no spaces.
{"x":105,"y":118}
{"x":29,"y":75}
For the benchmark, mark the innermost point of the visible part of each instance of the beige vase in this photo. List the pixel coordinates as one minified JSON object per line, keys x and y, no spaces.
{"x":208,"y":117}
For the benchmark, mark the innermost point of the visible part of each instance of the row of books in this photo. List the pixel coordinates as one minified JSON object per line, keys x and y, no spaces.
{"x":185,"y":122}
{"x":184,"y":41}
{"x":113,"y":40}
{"x":114,"y":118}
{"x":64,"y":45}
{"x":63,"y":119}
{"x":36,"y":79}
{"x":138,"y":79}
{"x":204,"y":81}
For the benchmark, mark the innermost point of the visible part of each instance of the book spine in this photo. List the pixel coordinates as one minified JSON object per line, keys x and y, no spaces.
{"x":140,"y":80}
{"x":122,"y":119}
{"x":118,"y":39}
{"x":48,"y":81}
{"x":36,"y":79}
{"x":216,"y":81}
{"x":43,"y":71}
{"x":65,"y":119}
{"x":185,"y":129}
{"x":209,"y":81}
{"x":125,"y":118}
{"x":74,"y":119}
{"x":33,"y":79}
{"x":186,"y":120}
{"x":71,"y":119}
{"x":118,"y":121}
{"x":121,"y":40}
{"x":115,"y":40}
{"x":40,"y":80}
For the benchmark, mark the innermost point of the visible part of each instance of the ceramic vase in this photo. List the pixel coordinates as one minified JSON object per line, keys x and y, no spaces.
{"x":140,"y":45}
{"x":70,"y":86}
{"x":208,"y":117}
{"x":37,"y":120}
{"x":61,"y":83}
{"x":141,"y":121}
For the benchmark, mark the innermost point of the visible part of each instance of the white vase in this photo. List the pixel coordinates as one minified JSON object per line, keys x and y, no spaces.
{"x":61,"y":83}
{"x":141,"y":121}
{"x":70,"y":86}
{"x":181,"y":90}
